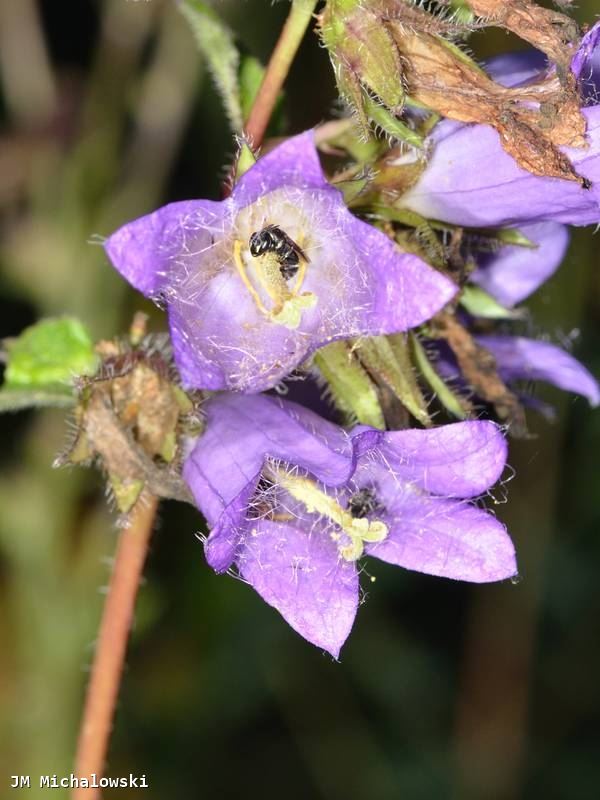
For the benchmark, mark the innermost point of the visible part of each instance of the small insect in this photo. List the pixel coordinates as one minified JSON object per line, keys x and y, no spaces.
{"x":274,"y":240}
{"x":363,"y":502}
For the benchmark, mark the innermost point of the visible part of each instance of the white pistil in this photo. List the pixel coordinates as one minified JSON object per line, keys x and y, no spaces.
{"x":316,"y":501}
{"x":287,"y":305}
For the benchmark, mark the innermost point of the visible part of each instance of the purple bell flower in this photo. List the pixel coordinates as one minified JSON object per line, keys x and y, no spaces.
{"x":518,"y":358}
{"x":514,"y":272}
{"x":470,"y":180}
{"x":586,"y":64}
{"x":243,"y":315}
{"x":293,"y":503}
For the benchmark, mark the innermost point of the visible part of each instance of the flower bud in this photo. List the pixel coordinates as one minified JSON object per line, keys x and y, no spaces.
{"x":364,"y":56}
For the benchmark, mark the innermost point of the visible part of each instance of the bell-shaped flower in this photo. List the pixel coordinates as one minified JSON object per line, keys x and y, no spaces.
{"x":510,"y":275}
{"x":294,"y":502}
{"x":470,"y":180}
{"x":522,"y":359}
{"x":255,"y":283}
{"x":514,"y":271}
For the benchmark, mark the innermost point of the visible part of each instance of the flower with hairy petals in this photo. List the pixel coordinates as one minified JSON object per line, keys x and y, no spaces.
{"x":470,"y":180}
{"x":243,"y":319}
{"x":294,"y":502}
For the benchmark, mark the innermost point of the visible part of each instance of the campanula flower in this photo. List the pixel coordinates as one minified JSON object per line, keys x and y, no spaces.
{"x":519,"y":358}
{"x":510,"y":275}
{"x":470,"y":180}
{"x":255,"y":283}
{"x":513,"y":272}
{"x":586,"y":64}
{"x":294,"y":502}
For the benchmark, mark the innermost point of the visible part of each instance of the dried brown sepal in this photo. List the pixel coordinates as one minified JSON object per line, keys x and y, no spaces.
{"x":121,"y":456}
{"x":532,"y":121}
{"x":478,"y":367}
{"x":549,"y":31}
{"x":130,"y":419}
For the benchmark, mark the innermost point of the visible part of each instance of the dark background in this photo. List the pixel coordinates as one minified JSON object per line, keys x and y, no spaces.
{"x":444,"y":689}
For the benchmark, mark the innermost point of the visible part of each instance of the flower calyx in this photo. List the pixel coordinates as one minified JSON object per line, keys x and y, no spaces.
{"x":132,"y":417}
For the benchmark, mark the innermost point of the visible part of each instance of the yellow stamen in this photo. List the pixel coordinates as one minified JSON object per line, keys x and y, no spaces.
{"x":287,"y":306}
{"x":237,"y":257}
{"x":316,"y":501}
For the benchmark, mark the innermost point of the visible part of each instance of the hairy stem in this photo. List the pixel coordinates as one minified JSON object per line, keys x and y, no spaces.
{"x":107,"y":668}
{"x":279,"y":64}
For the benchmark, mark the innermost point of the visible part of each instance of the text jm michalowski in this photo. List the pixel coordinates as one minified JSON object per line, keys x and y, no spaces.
{"x":74,"y":782}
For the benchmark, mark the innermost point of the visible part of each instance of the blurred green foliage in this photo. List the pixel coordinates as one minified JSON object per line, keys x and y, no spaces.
{"x":444,"y":690}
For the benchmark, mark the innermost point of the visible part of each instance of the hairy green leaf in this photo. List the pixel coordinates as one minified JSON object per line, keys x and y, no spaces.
{"x":216,"y":44}
{"x":48,"y":355}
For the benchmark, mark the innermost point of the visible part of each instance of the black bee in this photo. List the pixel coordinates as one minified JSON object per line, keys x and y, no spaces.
{"x":273,"y":240}
{"x":363,"y":502}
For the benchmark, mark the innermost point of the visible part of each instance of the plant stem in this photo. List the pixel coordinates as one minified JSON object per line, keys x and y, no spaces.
{"x":279,"y":64}
{"x":107,"y":668}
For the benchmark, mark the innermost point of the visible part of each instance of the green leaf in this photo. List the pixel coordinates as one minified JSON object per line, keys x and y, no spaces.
{"x":49,"y":397}
{"x":252,"y":73}
{"x":49,"y":354}
{"x":481,"y":304}
{"x":216,"y":44}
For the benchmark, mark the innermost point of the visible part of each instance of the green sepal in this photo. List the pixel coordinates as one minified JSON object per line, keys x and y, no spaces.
{"x":351,"y":189}
{"x":513,"y":236}
{"x":48,"y":397}
{"x":47,"y":355}
{"x":351,"y":389}
{"x":460,"y":55}
{"x":126,"y":491}
{"x":388,"y":358}
{"x":461,"y":12}
{"x":245,"y":159}
{"x":481,"y":304}
{"x":451,"y":402}
{"x":392,"y":126}
{"x":217,"y":46}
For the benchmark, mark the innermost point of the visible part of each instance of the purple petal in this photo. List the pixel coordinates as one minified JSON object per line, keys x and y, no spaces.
{"x":295,"y":162}
{"x":223,"y":468}
{"x":301,"y":574}
{"x":458,"y":460}
{"x":223,"y":341}
{"x":528,"y":359}
{"x":513,"y":273}
{"x":470,"y":180}
{"x":515,"y":69}
{"x":445,"y":538}
{"x":586,"y":63}
{"x":143,"y":250}
{"x":404,"y":290}
{"x":195,"y":257}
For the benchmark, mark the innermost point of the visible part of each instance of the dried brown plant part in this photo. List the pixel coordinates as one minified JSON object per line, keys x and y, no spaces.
{"x":120,"y":454}
{"x":552,"y":32}
{"x":531,"y":120}
{"x":417,"y":18}
{"x":131,"y":418}
{"x":478,"y":367}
